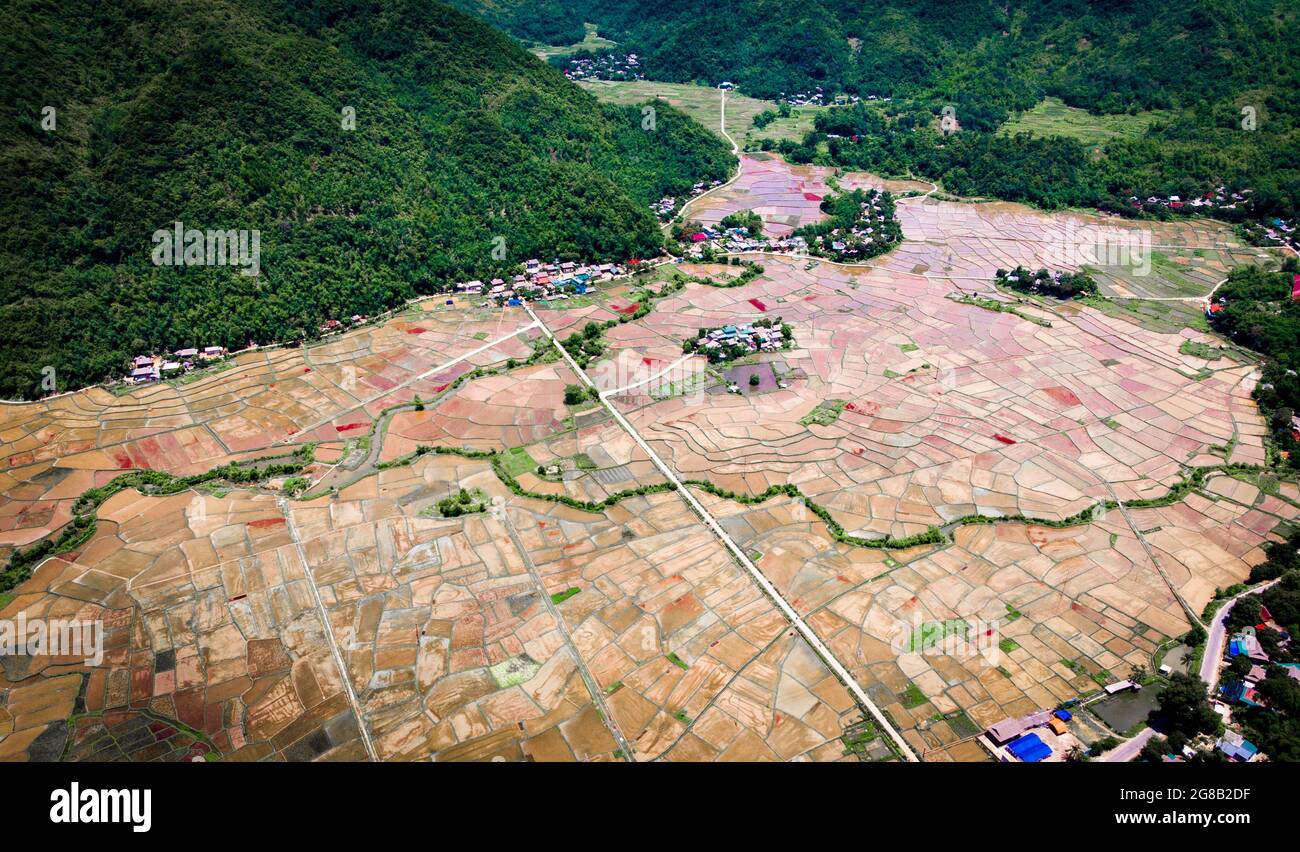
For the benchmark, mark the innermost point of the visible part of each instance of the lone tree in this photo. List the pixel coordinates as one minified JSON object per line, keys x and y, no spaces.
{"x":574,"y":394}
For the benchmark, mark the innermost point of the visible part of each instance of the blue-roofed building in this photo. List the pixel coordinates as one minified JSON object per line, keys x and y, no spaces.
{"x":1029,"y":749}
{"x":1063,"y":715}
{"x":1237,"y":747}
{"x":514,"y":303}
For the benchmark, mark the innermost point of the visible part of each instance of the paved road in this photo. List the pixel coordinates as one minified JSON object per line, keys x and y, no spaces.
{"x":328,"y":627}
{"x":807,"y":632}
{"x":1209,"y":673}
{"x":1218,"y":632}
{"x":1128,"y":750}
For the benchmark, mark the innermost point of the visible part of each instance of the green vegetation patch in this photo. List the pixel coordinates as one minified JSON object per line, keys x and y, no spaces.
{"x":912,"y":696}
{"x":427,"y":82}
{"x":1051,"y":117}
{"x":561,"y":597}
{"x":676,"y":660}
{"x":1201,"y":350}
{"x":517,"y":461}
{"x":464,"y":502}
{"x":514,"y":671}
{"x":931,"y":634}
{"x":826,"y":413}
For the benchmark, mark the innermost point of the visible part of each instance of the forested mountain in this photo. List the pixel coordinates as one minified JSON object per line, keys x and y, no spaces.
{"x":1104,"y":54}
{"x":540,"y":21}
{"x":1202,"y":61}
{"x":232,"y":114}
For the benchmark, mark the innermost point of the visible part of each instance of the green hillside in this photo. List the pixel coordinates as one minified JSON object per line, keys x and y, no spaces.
{"x":1184,"y":70}
{"x":230,"y":115}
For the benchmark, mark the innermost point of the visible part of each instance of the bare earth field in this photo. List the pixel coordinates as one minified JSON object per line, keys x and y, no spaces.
{"x":967,"y":241}
{"x":585,"y":611}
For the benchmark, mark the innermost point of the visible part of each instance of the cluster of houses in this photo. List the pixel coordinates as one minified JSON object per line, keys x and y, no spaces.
{"x":736,"y":341}
{"x":604,"y":66}
{"x":1034,"y":737}
{"x":333,"y":326}
{"x":1219,"y":198}
{"x":665,"y":207}
{"x":1246,"y":644}
{"x":1215,"y":307}
{"x":152,"y":368}
{"x":542,"y":281}
{"x":818,"y":97}
{"x":1275,"y":231}
{"x":868,"y":237}
{"x":739,"y":240}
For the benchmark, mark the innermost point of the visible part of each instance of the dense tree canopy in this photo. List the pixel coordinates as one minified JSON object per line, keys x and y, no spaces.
{"x":1201,"y":61}
{"x":467,"y":155}
{"x":1258,"y":312}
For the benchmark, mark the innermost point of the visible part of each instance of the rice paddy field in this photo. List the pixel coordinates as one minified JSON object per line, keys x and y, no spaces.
{"x":703,"y":103}
{"x":920,"y":462}
{"x":592,"y":41}
{"x":1051,"y":117}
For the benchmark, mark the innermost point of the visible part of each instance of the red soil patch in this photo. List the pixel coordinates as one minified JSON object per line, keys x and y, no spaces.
{"x":416,"y":330}
{"x":808,"y":196}
{"x":349,"y":427}
{"x":758,"y":304}
{"x":265,"y":522}
{"x":1064,"y":396}
{"x":1004,"y":439}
